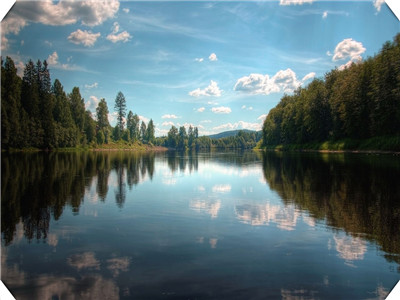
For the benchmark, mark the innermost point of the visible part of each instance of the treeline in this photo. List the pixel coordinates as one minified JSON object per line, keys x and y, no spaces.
{"x":38,"y":114}
{"x":182,"y":140}
{"x":359,"y":102}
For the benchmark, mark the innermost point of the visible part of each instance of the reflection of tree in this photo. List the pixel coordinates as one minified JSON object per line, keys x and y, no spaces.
{"x":357,"y":193}
{"x":36,"y":187}
{"x":120,"y":193}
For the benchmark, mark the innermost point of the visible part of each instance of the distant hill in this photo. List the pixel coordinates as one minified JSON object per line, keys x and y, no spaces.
{"x":228,"y":133}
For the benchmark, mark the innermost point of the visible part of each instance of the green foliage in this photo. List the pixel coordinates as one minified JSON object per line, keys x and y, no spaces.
{"x":359,"y":102}
{"x":120,"y":108}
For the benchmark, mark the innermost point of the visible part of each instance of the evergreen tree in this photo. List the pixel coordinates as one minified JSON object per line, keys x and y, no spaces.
{"x":120,"y":108}
{"x":132,"y":123}
{"x":143,"y":132}
{"x":150,"y":132}
{"x":103,"y":131}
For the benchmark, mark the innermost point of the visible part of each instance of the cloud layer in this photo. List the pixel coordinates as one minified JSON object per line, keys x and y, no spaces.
{"x":283,"y":81}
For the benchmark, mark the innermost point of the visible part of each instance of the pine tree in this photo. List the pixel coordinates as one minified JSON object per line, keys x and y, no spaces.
{"x":120,"y":108}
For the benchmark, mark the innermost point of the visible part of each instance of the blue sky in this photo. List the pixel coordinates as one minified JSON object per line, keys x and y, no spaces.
{"x":215,"y":65}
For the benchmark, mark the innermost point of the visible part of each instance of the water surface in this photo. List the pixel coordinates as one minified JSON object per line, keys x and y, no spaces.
{"x":246,"y":225}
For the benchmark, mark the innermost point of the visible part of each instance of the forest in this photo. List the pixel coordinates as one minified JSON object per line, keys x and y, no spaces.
{"x":36,"y":114}
{"x":41,"y":115}
{"x":358,"y":106}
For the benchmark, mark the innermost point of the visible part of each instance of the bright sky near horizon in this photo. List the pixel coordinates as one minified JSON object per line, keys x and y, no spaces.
{"x":215,"y":65}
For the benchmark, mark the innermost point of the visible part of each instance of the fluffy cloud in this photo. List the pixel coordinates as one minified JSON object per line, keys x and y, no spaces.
{"x":168,"y":124}
{"x":115,"y":37}
{"x":89,"y":13}
{"x":213,"y":57}
{"x":295,"y":2}
{"x":239,"y":125}
{"x":221,"y":110}
{"x":168,"y":116}
{"x":283,"y":81}
{"x":92,"y":103}
{"x":199,"y":59}
{"x":201,"y":109}
{"x":348,"y":49}
{"x":53,"y":59}
{"x":120,"y":37}
{"x":247,"y":108}
{"x":211,"y":90}
{"x":325,"y":15}
{"x":378,"y":4}
{"x":87,"y":38}
{"x":125,"y":10}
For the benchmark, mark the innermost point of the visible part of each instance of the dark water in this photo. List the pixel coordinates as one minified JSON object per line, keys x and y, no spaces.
{"x":200,"y":226}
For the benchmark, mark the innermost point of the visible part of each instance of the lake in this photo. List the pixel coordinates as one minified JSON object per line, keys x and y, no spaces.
{"x":237,"y":225}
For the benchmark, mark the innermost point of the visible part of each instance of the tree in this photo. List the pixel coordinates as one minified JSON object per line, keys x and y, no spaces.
{"x":143,"y":131}
{"x":103,"y":126}
{"x":10,"y":105}
{"x":120,"y":108}
{"x":182,"y":142}
{"x":150,"y":132}
{"x":172,"y":140}
{"x":132,"y":123}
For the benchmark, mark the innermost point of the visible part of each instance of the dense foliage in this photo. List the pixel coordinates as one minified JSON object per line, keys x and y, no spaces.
{"x":358,"y":102}
{"x":36,"y":114}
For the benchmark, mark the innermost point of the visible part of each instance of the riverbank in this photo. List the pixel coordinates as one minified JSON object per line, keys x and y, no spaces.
{"x":376,"y":145}
{"x":112,"y":146}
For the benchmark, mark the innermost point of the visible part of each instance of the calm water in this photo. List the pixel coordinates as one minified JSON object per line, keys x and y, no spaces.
{"x":200,"y":226}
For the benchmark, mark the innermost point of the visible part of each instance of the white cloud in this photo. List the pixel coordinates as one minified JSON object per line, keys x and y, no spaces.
{"x":295,"y":2}
{"x":348,"y":49}
{"x":168,"y":124}
{"x":144,"y":119}
{"x":239,"y":125}
{"x":213,"y":57}
{"x":87,"y":38}
{"x":262,"y":117}
{"x":199,"y":59}
{"x":201,"y":109}
{"x":168,"y":116}
{"x":125,"y":10}
{"x":325,"y":15}
{"x":53,"y":58}
{"x":92,"y":103}
{"x":60,"y":13}
{"x":221,"y":110}
{"x":120,"y":37}
{"x":283,"y":81}
{"x":378,"y":4}
{"x":211,"y":90}
{"x":115,"y":27}
{"x":91,"y":86}
{"x":308,"y":76}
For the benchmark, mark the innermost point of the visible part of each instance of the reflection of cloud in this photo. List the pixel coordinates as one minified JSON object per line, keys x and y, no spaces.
{"x":213,"y":243}
{"x":51,"y":287}
{"x":222,"y":188}
{"x":85,"y":260}
{"x":350,"y":248}
{"x":52,"y":239}
{"x":211,"y":207}
{"x":284,"y":217}
{"x":117,"y":265}
{"x":297,"y":294}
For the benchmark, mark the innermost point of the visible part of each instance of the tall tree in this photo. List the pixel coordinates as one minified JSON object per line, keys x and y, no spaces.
{"x":120,"y":108}
{"x":103,"y":126}
{"x":150,"y":132}
{"x":143,"y":131}
{"x":132,"y":123}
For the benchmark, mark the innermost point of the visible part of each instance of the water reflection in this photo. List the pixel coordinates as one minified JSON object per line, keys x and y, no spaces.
{"x":201,"y":215}
{"x":356,"y":193}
